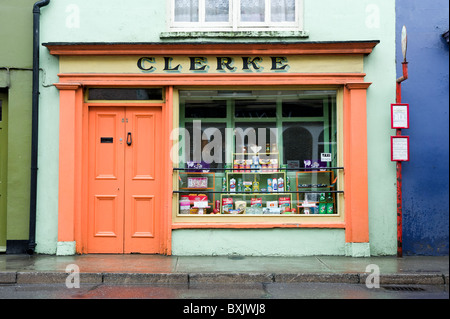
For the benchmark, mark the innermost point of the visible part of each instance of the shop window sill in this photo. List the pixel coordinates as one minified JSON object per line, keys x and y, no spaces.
{"x":181,"y":225}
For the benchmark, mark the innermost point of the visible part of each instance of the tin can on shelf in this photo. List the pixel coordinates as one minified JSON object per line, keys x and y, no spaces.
{"x":256,"y":186}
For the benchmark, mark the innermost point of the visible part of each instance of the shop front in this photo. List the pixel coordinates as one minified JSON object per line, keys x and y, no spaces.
{"x":213,"y":149}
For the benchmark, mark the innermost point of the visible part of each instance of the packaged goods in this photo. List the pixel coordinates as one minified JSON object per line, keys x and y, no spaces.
{"x":232,"y":185}
{"x":256,"y":202}
{"x":248,"y":164}
{"x":272,"y":208}
{"x":264,"y":163}
{"x":255,"y":186}
{"x":322,"y":204}
{"x":269,"y":185}
{"x":288,"y":184}
{"x":330,"y":204}
{"x":247,"y":186}
{"x":185,"y":205}
{"x":224,"y":184}
{"x":274,"y":165}
{"x":236,"y":166}
{"x":254,"y":210}
{"x":284,"y":203}
{"x":275,"y":185}
{"x":239,"y":185}
{"x":227,"y":204}
{"x":272,"y":204}
{"x":280,"y":184}
{"x":241,"y":206}
{"x":197,"y":198}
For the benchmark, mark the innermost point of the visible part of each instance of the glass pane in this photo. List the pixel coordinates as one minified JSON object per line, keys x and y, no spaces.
{"x":252,"y":10}
{"x":249,"y":135}
{"x":205,"y":144}
{"x":303,"y":108}
{"x":255,"y":109}
{"x":186,"y":11}
{"x":217,"y":10}
{"x":205,"y":109}
{"x":302,"y":141}
{"x":202,"y":104}
{"x":282,"y":10}
{"x":125,"y":94}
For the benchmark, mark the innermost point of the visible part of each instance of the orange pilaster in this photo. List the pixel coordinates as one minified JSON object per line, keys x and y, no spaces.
{"x":69,"y":96}
{"x":355,"y":163}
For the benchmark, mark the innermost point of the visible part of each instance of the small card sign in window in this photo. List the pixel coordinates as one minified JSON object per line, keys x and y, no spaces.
{"x":325,"y":157}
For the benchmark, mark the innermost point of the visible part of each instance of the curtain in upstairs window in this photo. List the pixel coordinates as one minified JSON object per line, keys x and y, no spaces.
{"x":217,"y":10}
{"x":282,"y":10}
{"x":252,"y":10}
{"x":186,"y":10}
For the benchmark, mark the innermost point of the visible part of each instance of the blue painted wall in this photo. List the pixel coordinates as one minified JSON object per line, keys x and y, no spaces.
{"x":426,"y":176}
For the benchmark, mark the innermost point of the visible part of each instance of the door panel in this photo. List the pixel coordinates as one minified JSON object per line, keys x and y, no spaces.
{"x":106,"y":216}
{"x":142,"y":217}
{"x":106,"y":161}
{"x":106,"y":181}
{"x":124,"y":180}
{"x":143,"y":181}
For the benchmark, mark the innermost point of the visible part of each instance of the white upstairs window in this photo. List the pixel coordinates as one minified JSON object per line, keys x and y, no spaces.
{"x":236,"y":15}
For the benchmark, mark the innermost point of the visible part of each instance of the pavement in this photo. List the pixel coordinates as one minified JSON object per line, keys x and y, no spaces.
{"x":191,"y":270}
{"x":159,"y":269}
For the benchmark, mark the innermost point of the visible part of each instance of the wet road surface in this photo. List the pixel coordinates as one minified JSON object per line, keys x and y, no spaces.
{"x":224,"y":291}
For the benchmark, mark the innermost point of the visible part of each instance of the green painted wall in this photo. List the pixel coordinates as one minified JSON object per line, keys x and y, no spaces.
{"x":3,"y":167}
{"x":16,"y":40}
{"x":142,"y":21}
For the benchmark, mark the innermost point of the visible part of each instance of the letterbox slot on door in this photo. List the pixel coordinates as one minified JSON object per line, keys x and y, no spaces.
{"x":106,"y":139}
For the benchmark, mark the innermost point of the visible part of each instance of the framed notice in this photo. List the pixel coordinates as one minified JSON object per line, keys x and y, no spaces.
{"x":400,"y":148}
{"x":399,"y":116}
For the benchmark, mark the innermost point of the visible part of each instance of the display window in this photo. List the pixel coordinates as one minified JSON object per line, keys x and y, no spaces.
{"x":258,"y":153}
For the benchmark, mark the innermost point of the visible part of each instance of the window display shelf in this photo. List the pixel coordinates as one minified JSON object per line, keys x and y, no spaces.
{"x":248,"y":193}
{"x":197,"y":180}
{"x":256,"y":203}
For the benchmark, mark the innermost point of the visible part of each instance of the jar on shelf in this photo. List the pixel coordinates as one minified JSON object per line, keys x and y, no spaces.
{"x":185,"y":205}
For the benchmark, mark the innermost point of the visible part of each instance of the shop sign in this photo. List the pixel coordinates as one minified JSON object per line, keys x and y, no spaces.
{"x":218,"y":64}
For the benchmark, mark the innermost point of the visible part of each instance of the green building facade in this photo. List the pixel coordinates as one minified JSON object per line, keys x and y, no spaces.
{"x":95,"y":25}
{"x":16,"y":63}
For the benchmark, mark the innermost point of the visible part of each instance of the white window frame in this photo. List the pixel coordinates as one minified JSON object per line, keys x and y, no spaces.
{"x":234,"y":23}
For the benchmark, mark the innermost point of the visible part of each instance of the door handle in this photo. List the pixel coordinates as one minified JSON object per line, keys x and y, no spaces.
{"x":129,"y":140}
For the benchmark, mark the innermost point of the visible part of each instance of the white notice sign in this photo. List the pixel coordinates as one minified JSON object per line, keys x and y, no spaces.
{"x":325,"y":157}
{"x":400,"y":148}
{"x":400,"y":116}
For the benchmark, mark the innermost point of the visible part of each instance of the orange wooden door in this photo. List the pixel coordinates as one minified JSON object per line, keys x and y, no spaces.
{"x":124,"y":180}
{"x":143,"y":176}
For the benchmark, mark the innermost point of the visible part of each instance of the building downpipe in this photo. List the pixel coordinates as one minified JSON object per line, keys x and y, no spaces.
{"x":34,"y":124}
